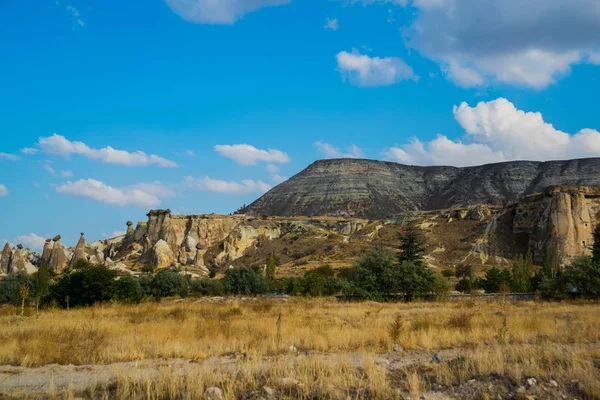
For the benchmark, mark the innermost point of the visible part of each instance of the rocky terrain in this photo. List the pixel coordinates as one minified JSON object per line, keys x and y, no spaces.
{"x":482,"y":216}
{"x":377,"y":190}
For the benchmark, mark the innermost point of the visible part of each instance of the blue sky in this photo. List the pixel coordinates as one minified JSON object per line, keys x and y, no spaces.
{"x":110,"y":108}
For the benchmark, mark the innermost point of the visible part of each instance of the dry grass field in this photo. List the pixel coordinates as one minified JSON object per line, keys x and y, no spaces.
{"x":303,"y":348}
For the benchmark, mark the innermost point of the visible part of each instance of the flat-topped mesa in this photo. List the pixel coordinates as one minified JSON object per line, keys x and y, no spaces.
{"x":376,"y":190}
{"x":5,"y":258}
{"x":58,"y":258}
{"x":79,"y":253}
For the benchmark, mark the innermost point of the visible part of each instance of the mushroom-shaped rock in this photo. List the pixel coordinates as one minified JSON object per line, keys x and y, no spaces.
{"x":79,"y":253}
{"x":129,"y":226}
{"x":58,"y":258}
{"x":47,"y":252}
{"x":182,"y":256}
{"x":5,"y":259}
{"x":161,"y":255}
{"x":19,"y":258}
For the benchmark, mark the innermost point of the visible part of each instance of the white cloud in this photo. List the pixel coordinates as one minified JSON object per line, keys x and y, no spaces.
{"x":529,"y":44}
{"x":59,"y":145}
{"x":208,"y":184}
{"x":272,"y":168}
{"x":245,"y":154}
{"x":498,"y":131}
{"x":279,"y":179}
{"x":115,"y":234}
{"x":331,"y":151}
{"x":101,"y":192}
{"x":9,"y":157}
{"x":66,"y":174}
{"x":33,"y":241}
{"x":76,"y":15}
{"x":3,"y":190}
{"x":332,"y":23}
{"x":594,"y":58}
{"x":364,"y":71}
{"x":50,"y":170}
{"x":218,"y":11}
{"x":156,"y":188}
{"x":29,"y":151}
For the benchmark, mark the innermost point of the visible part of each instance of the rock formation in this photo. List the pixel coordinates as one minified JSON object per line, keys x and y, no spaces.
{"x":47,"y":251}
{"x":79,"y":253}
{"x":199,"y":258}
{"x":376,"y":190}
{"x":161,"y":255}
{"x":5,"y":259}
{"x":58,"y":258}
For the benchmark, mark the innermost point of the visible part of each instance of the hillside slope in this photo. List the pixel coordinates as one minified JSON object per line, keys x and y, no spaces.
{"x":376,"y":189}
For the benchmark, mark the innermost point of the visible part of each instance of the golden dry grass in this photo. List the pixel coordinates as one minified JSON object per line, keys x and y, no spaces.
{"x":557,"y":341}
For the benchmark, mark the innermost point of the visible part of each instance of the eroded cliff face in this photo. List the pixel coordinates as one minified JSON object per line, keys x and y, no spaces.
{"x":563,"y":215}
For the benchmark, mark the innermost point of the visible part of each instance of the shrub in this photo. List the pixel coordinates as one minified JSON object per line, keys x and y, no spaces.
{"x":320,"y":282}
{"x":169,"y":283}
{"x":128,"y":290}
{"x":245,"y":281}
{"x":10,"y":288}
{"x":495,"y":279}
{"x":85,"y":285}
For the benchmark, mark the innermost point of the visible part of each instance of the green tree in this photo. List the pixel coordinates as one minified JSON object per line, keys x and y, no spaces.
{"x":522,"y":272}
{"x":168,"y":283}
{"x":42,"y":281}
{"x":320,"y":282}
{"x":414,"y":280}
{"x":271,"y":267}
{"x":464,"y":285}
{"x":551,"y":268}
{"x":244,"y":281}
{"x":495,"y":279}
{"x":596,"y":246}
{"x":372,"y":276}
{"x":85,"y":285}
{"x":11,"y":286}
{"x":128,"y":290}
{"x":465,"y":271}
{"x":582,"y":277}
{"x":412,"y":246}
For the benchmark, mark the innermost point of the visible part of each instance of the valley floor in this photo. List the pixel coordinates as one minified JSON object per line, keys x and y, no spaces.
{"x":303,"y":348}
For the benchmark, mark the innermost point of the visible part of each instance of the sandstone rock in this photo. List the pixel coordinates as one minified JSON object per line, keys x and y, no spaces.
{"x":182,"y":257}
{"x":161,"y":255}
{"x":531,"y":382}
{"x":19,"y":260}
{"x":47,"y":251}
{"x":5,"y":259}
{"x":129,"y":227}
{"x":79,"y":253}
{"x":97,"y":257}
{"x":398,"y":348}
{"x":58,"y":258}
{"x":553,"y":384}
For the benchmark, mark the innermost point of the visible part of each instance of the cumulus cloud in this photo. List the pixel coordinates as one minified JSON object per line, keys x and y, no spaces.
{"x":330,"y":151}
{"x":332,"y":23}
{"x":33,"y":241}
{"x":28,"y":151}
{"x":52,"y":171}
{"x":529,"y":44}
{"x":155,"y":188}
{"x":3,"y":190}
{"x":498,"y":131}
{"x":364,"y":71}
{"x":245,"y":154}
{"x":272,"y":168}
{"x":9,"y":157}
{"x":207,"y":184}
{"x":59,"y":145}
{"x":99,"y":191}
{"x":218,"y":11}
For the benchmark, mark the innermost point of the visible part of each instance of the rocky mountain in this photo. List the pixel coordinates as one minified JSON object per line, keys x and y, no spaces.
{"x":375,"y":189}
{"x":481,"y":216}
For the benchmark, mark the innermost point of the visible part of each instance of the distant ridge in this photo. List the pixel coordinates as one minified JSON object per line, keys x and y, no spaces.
{"x":378,"y":189}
